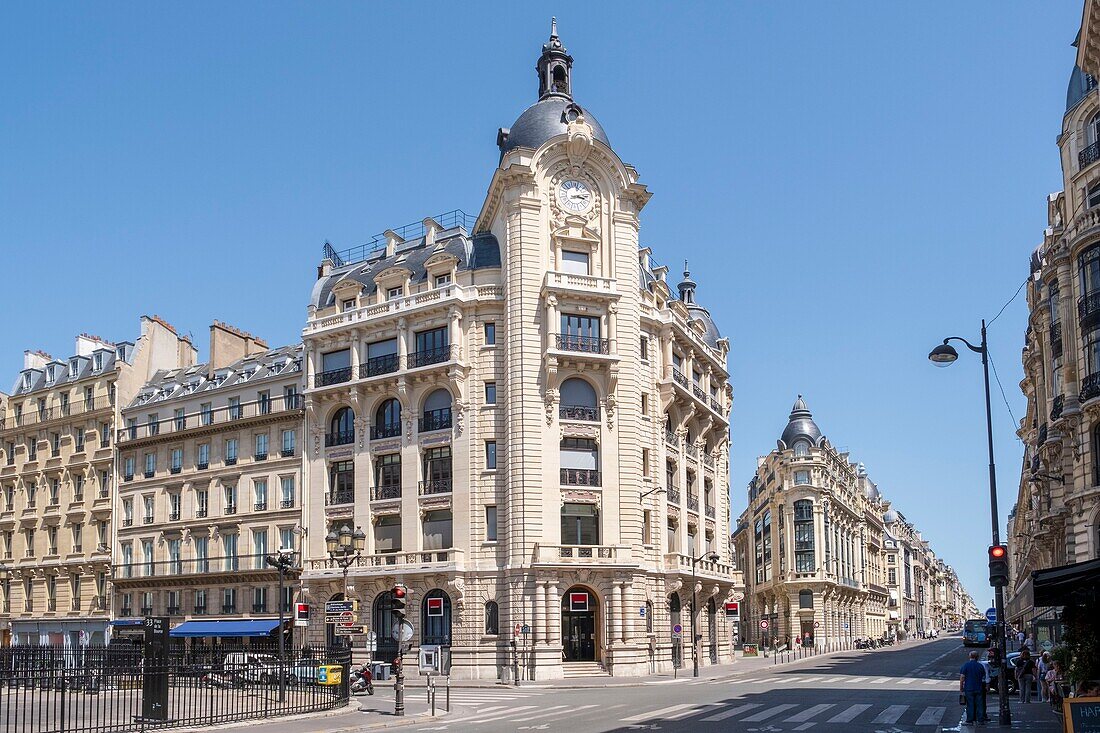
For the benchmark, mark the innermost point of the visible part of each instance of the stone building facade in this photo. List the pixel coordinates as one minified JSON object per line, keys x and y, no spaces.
{"x":58,"y":480}
{"x":811,"y":540}
{"x":210,"y":485}
{"x":1056,"y":519}
{"x":825,"y":558}
{"x":529,"y":423}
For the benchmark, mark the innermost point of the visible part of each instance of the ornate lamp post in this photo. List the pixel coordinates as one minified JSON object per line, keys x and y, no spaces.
{"x":345,"y":548}
{"x":711,"y":557}
{"x":942,"y":356}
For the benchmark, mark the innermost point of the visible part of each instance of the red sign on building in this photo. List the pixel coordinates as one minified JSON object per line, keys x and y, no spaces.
{"x":733,"y":609}
{"x":578,"y":601}
{"x":435,"y":606}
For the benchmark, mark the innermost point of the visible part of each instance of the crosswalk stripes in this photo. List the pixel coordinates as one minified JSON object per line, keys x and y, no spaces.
{"x":809,"y":713}
{"x":879,"y":681}
{"x":891,"y":714}
{"x":906,"y":681}
{"x":847,"y":716}
{"x":769,"y":713}
{"x":730,"y":713}
{"x":657,"y":713}
{"x":931,"y":716}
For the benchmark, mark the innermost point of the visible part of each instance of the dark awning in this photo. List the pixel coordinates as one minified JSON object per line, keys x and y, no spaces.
{"x":1066,"y":585}
{"x":251,"y":627}
{"x":127,"y":622}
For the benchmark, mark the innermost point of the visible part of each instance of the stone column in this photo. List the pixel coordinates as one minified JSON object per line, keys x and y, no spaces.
{"x":354,"y":348}
{"x":540,"y":612}
{"x":628,"y":618}
{"x":553,"y":614}
{"x":615,"y":611}
{"x":403,"y":343}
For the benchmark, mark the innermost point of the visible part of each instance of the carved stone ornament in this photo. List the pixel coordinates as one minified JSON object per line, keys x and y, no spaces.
{"x":459,"y":412}
{"x":579,"y":137}
{"x":551,"y":399}
{"x":459,"y":587}
{"x":316,"y":432}
{"x":675,"y":585}
{"x":609,"y":408}
{"x":581,"y":495}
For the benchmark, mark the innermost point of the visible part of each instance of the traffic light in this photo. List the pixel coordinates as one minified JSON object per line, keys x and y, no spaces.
{"x":998,"y":566}
{"x":400,"y":599}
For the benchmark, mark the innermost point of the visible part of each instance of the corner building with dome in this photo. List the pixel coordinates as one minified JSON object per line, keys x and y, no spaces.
{"x":527,"y":420}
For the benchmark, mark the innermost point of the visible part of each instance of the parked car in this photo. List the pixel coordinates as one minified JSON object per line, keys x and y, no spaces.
{"x":264,"y":669}
{"x":1013,"y":685}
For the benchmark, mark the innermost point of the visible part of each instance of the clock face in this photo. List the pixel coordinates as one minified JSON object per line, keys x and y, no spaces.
{"x":574,"y":195}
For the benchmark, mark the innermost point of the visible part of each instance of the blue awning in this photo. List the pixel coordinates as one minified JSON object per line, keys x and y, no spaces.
{"x":258,"y":627}
{"x":127,"y":622}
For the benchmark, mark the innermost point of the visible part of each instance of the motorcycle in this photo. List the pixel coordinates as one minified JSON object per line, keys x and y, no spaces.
{"x":362,"y":679}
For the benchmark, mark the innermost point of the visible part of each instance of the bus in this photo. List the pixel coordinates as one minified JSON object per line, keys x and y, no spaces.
{"x":977,"y":632}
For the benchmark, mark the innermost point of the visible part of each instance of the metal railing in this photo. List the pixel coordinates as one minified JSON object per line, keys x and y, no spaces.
{"x":446,"y":220}
{"x":378,"y":365}
{"x":710,"y":512}
{"x":343,"y":495}
{"x":435,"y":420}
{"x":213,"y":416}
{"x":1090,"y":387}
{"x":673,"y":494}
{"x":385,"y":430}
{"x":192,"y":566}
{"x":698,"y":392}
{"x":580,"y":477}
{"x":435,"y":486}
{"x":35,"y":416}
{"x":1088,"y":305}
{"x":679,"y":378}
{"x":386,"y":491}
{"x":1057,"y":407}
{"x":332,"y":376}
{"x":1056,"y":339}
{"x":342,"y":437}
{"x":693,"y":503}
{"x":429,"y":356}
{"x":1089,"y":154}
{"x":582,"y":344}
{"x":671,"y":438}
{"x":579,"y":412}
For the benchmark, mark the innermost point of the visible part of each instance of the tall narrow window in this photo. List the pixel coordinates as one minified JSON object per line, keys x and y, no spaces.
{"x":804,"y":537}
{"x":491,"y":523}
{"x":490,"y":454}
{"x":580,"y":524}
{"x":490,"y":334}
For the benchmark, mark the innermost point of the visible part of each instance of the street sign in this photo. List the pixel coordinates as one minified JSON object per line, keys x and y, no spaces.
{"x":641,"y":611}
{"x":816,"y":624}
{"x":344,"y":617}
{"x":991,"y":615}
{"x":733,"y":610}
{"x":763,"y":623}
{"x":339,"y":607}
{"x":349,"y":630}
{"x":525,"y":630}
{"x":677,"y":629}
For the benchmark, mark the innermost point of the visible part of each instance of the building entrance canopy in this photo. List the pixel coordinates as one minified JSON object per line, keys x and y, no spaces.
{"x":1066,"y":585}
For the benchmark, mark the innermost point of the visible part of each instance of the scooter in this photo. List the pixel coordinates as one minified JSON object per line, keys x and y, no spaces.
{"x":362,"y":679}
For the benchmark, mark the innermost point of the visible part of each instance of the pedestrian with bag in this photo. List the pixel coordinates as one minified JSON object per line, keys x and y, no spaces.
{"x":1043,"y":667}
{"x":1025,"y":674}
{"x":971,"y":682}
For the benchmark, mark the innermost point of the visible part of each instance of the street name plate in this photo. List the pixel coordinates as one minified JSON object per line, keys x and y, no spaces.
{"x":349,"y":630}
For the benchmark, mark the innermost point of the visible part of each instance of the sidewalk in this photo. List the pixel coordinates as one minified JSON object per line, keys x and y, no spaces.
{"x":365,"y":712}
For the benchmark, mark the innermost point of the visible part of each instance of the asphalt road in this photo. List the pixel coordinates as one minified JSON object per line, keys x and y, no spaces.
{"x":893,"y":690}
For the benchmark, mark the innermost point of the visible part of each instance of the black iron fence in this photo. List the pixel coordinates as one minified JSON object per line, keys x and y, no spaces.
{"x":98,"y":689}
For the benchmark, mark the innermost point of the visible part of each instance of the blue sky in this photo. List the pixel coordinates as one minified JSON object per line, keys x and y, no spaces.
{"x":852,"y":181}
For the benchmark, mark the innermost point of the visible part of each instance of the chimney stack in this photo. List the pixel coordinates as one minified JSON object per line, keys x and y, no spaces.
{"x":229,"y":344}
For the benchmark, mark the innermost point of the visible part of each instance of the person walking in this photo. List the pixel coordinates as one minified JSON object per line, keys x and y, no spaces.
{"x":1025,"y":674}
{"x":971,"y":682}
{"x":1043,"y":666}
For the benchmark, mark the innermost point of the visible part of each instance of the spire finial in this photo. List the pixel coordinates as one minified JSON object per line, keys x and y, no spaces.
{"x":686,"y":272}
{"x":553,"y":27}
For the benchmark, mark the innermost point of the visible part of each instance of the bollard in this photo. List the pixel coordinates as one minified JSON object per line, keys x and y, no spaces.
{"x":448,"y":693}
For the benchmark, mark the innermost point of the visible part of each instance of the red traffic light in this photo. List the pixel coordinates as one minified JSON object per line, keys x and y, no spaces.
{"x":399,"y":591}
{"x":998,"y":551}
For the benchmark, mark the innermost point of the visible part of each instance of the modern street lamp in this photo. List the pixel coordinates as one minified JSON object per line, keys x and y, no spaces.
{"x":281,"y":562}
{"x":942,"y":356}
{"x":710,"y":557}
{"x":345,"y":548}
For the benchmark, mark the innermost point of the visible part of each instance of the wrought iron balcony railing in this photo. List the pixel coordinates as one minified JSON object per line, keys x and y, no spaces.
{"x":1056,"y":339}
{"x":436,"y":486}
{"x":679,"y":378}
{"x":1088,"y":155}
{"x":583,"y":344}
{"x":343,"y":495}
{"x":580,"y":477}
{"x":579,"y":412}
{"x":342,"y":437}
{"x":435,"y":420}
{"x":378,"y":365}
{"x":1088,"y":305}
{"x":1090,"y":387}
{"x":673,"y":495}
{"x":429,"y":356}
{"x":386,"y":491}
{"x":385,"y":430}
{"x":332,"y":376}
{"x":1057,"y":407}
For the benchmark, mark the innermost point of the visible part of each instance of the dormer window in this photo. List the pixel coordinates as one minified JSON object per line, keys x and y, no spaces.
{"x":442,"y":281}
{"x":348,"y":305}
{"x":97,"y":361}
{"x":26,"y":381}
{"x":50,"y":371}
{"x":395,"y":293}
{"x":74,"y":367}
{"x":121,"y":353}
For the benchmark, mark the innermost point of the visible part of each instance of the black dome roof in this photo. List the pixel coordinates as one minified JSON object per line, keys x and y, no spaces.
{"x":801,"y":425}
{"x":543,"y":120}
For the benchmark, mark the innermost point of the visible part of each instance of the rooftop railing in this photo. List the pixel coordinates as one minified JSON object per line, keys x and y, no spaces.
{"x":446,"y":220}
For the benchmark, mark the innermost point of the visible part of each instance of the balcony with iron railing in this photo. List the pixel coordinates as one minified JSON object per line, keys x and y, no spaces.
{"x":340,"y":437}
{"x":135,"y":572}
{"x":332,"y":376}
{"x":1056,"y":407}
{"x":259,"y":456}
{"x":339,"y":496}
{"x":673,"y":493}
{"x":442,"y":559}
{"x":436,"y":486}
{"x":581,"y":554}
{"x":200,"y":609}
{"x":582,"y":344}
{"x":672,"y":439}
{"x":693,"y":502}
{"x":287,"y":452}
{"x":378,"y":365}
{"x":173,"y":611}
{"x":1088,"y":307}
{"x":699,"y":392}
{"x":1090,"y":387}
{"x":56,"y":412}
{"x":581,"y":413}
{"x":435,"y":420}
{"x":580,"y":477}
{"x":427,"y":357}
{"x":205,"y":419}
{"x":1056,"y":339}
{"x":679,"y":378}
{"x":1088,"y":154}
{"x":710,"y":511}
{"x":385,"y":430}
{"x":228,"y":608}
{"x":386,"y":491}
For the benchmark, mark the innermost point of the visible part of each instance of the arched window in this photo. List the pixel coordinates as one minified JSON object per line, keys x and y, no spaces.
{"x":383,"y":619}
{"x":435,"y":619}
{"x":437,"y":411}
{"x":387,"y":420}
{"x":578,"y":401}
{"x":801,"y":448}
{"x":492,"y":618}
{"x":1092,"y":130}
{"x":341,"y":427}
{"x":804,"y":536}
{"x":805,"y":599}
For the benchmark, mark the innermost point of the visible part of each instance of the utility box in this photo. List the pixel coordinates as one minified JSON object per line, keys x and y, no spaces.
{"x":330,"y":674}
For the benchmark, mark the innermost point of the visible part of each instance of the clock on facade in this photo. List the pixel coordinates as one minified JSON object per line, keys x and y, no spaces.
{"x":574,"y":195}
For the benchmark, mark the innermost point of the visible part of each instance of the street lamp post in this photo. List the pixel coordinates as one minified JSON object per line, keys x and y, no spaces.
{"x":712,"y":557}
{"x":942,"y":356}
{"x":281,"y":562}
{"x":345,"y":548}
